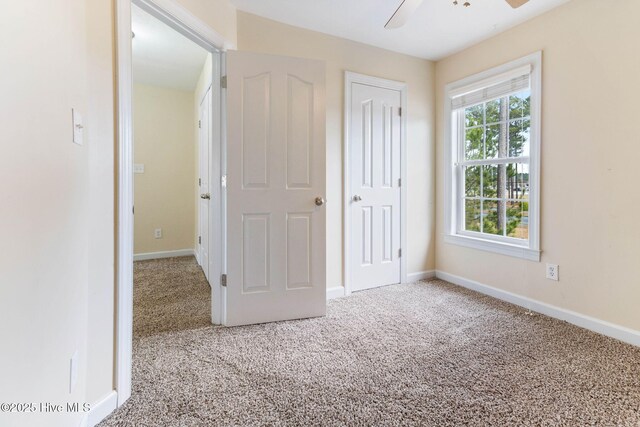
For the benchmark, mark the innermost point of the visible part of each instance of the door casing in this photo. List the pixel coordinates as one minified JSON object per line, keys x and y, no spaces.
{"x":351,"y":78}
{"x":176,"y":16}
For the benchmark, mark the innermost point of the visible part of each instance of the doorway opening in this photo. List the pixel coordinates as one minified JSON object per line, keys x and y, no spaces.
{"x":168,"y":65}
{"x":267,"y":221}
{"x":171,"y":145}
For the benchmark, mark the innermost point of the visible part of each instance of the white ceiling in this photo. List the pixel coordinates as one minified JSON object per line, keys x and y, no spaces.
{"x":437,"y":28}
{"x":162,"y":56}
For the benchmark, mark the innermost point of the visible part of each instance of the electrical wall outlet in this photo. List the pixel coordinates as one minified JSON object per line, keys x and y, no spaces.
{"x":157,"y":233}
{"x":553,"y":272}
{"x":73,"y":372}
{"x":76,"y":120}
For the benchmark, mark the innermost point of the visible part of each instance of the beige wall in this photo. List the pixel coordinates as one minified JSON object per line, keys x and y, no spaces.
{"x":55,"y":197}
{"x":590,"y":196}
{"x":164,"y":195}
{"x":218,"y":14}
{"x":261,"y":35}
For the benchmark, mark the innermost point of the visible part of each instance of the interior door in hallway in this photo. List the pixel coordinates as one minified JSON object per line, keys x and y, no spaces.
{"x":275,"y":188}
{"x":374,"y":182}
{"x":204,"y":204}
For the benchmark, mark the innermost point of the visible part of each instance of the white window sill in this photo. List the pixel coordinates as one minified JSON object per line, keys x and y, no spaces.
{"x":492,"y":246}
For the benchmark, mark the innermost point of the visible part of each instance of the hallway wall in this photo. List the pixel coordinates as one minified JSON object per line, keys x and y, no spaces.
{"x":165,"y":143}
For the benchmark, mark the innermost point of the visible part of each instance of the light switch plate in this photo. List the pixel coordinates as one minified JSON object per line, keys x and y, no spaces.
{"x":138,"y":168}
{"x":78,"y":127}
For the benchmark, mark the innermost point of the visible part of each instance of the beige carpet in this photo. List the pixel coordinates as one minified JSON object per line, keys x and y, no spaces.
{"x":169,"y":295}
{"x":427,"y":354}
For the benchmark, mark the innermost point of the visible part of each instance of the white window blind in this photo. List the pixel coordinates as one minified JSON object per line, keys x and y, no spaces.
{"x":496,"y":87}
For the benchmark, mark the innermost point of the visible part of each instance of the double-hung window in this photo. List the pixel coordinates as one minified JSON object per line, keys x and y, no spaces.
{"x":492,"y":146}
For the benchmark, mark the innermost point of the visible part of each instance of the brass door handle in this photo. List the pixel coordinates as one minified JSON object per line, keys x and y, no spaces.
{"x":319,"y":201}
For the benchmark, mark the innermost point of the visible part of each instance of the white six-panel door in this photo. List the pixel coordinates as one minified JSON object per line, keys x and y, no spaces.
{"x":275,"y":188}
{"x":374,"y":183}
{"x":204,"y":205}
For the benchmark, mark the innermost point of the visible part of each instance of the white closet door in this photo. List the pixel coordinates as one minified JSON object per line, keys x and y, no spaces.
{"x":374,"y":164}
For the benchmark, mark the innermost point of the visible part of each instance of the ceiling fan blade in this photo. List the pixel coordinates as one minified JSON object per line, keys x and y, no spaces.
{"x":402,"y":14}
{"x":516,"y":3}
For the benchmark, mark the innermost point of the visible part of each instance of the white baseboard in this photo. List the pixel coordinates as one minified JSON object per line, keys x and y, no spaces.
{"x":618,"y":332}
{"x":101,"y":410}
{"x":165,"y":254}
{"x":421,"y":275}
{"x":335,"y":292}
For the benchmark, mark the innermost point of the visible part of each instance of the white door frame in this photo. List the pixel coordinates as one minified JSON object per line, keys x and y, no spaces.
{"x":349,"y":79}
{"x":176,"y":16}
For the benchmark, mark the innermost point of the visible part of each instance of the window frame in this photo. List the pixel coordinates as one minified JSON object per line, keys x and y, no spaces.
{"x":454,"y":151}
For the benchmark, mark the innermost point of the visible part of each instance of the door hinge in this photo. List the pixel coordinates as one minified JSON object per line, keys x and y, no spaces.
{"x":399,"y":253}
{"x":223,"y":82}
{"x":199,"y":182}
{"x":199,"y":240}
{"x":199,"y":124}
{"x":223,"y":280}
{"x":399,"y":182}
{"x":400,"y":111}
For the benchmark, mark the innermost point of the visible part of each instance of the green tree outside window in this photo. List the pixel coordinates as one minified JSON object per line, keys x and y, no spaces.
{"x":496,"y":195}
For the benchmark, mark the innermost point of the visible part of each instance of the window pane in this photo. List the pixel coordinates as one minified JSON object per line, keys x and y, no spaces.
{"x":473,"y":115}
{"x":472,"y":215}
{"x":494,"y":113}
{"x":495,"y":197}
{"x":492,"y":142}
{"x":490,"y":221}
{"x":490,"y":181}
{"x":518,"y":219}
{"x":519,"y":131}
{"x":519,"y":104}
{"x":472,"y":181}
{"x":517,"y":186}
{"x":473,"y":144}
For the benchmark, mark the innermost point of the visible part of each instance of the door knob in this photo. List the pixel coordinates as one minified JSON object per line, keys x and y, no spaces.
{"x":205,"y":196}
{"x":319,"y":201}
{"x":357,"y":198}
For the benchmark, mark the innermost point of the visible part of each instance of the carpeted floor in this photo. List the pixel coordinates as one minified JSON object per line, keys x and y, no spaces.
{"x":428,"y":354}
{"x":169,"y":295}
